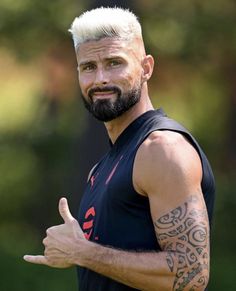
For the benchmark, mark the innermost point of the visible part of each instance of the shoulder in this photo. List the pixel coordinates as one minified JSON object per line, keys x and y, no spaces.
{"x":163,"y":159}
{"x":168,"y":146}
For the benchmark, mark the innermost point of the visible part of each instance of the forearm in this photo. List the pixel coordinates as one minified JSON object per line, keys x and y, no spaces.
{"x":141,"y":270}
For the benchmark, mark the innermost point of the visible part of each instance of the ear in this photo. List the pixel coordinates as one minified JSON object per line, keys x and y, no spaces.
{"x":147,"y":65}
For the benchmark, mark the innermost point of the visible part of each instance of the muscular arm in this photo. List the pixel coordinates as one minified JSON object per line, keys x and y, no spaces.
{"x":177,"y":206}
{"x":168,"y":171}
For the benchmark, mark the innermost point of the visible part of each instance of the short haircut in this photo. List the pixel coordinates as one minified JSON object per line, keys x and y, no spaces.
{"x":105,"y":22}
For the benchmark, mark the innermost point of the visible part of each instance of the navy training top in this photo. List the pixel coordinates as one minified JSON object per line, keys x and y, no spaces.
{"x":112,"y":213}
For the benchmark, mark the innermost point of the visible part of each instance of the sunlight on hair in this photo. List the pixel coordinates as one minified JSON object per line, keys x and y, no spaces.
{"x":105,"y":22}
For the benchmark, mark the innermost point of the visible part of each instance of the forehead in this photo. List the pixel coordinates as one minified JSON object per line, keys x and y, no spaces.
{"x":106,"y":47}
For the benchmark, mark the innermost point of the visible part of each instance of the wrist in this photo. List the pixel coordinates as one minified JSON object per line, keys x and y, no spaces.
{"x":85,"y":252}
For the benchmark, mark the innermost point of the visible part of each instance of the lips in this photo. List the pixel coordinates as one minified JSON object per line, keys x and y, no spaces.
{"x":103,"y":93}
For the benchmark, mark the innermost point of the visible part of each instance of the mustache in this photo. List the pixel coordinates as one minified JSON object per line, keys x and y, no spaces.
{"x":103,"y":89}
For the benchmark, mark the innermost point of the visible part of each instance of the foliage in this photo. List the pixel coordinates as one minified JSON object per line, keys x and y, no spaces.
{"x":42,"y":126}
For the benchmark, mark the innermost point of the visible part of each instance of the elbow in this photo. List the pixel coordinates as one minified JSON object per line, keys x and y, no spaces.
{"x":202,"y":275}
{"x":194,"y":278}
{"x":202,"y":280}
{"x":197,"y":279}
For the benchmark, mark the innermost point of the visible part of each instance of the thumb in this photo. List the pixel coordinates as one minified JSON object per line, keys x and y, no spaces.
{"x":65,"y":211}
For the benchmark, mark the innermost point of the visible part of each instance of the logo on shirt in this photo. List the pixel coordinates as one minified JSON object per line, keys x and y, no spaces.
{"x":88,"y":224}
{"x":92,"y":179}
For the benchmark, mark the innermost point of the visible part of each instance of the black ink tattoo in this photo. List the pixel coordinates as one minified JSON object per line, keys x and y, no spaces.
{"x":184,"y":234}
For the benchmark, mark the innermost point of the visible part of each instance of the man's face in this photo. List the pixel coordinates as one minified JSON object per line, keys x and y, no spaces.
{"x":109,"y":76}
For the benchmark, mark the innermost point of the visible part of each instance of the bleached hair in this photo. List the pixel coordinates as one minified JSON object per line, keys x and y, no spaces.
{"x":105,"y":22}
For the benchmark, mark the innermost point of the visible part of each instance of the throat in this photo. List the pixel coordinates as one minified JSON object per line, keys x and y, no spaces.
{"x":116,"y":126}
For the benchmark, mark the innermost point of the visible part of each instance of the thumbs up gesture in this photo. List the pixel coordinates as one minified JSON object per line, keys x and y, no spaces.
{"x":62,"y":241}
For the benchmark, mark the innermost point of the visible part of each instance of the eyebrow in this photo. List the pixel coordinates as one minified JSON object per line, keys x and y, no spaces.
{"x":106,"y":59}
{"x":85,"y":63}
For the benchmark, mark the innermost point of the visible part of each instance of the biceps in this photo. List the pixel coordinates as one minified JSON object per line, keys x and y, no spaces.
{"x":186,"y":224}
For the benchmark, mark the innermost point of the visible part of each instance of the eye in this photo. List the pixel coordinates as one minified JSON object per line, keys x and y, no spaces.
{"x":88,"y":67}
{"x":114,"y":63}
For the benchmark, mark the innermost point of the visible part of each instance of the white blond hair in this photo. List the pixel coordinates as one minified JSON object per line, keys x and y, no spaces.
{"x":105,"y":22}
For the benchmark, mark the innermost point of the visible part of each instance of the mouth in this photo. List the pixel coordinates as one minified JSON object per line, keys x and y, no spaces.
{"x":104,"y":94}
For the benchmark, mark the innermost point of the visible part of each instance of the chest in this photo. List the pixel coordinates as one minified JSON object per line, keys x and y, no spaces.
{"x":111,"y":209}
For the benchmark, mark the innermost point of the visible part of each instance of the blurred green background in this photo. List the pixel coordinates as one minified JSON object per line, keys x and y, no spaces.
{"x":48,"y":142}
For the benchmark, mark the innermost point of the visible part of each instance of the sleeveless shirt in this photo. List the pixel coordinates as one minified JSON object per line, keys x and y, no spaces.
{"x":112,"y":213}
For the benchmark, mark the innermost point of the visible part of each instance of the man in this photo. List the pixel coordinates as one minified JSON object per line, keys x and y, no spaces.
{"x":144,"y":217}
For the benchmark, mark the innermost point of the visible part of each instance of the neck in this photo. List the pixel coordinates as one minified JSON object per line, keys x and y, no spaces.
{"x":117,"y":126}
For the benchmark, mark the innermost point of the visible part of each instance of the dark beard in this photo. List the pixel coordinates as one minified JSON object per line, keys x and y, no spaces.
{"x":107,"y":110}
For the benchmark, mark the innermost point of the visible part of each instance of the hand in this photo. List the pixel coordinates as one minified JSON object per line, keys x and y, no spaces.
{"x":62,"y":241}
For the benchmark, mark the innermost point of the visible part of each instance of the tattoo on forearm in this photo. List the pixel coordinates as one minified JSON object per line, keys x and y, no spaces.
{"x":184,"y":234}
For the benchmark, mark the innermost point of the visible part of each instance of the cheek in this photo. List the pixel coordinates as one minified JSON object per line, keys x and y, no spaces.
{"x":133,"y":74}
{"x":84,"y":83}
{"x":129,"y":80}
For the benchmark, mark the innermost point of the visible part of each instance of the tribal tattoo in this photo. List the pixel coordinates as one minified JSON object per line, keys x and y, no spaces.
{"x":184,"y":234}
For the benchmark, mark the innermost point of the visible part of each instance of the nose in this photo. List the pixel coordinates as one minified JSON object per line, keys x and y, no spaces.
{"x":101,"y":77}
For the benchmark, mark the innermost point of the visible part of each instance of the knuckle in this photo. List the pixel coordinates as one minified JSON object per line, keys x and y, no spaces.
{"x":49,"y":231}
{"x":45,"y":241}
